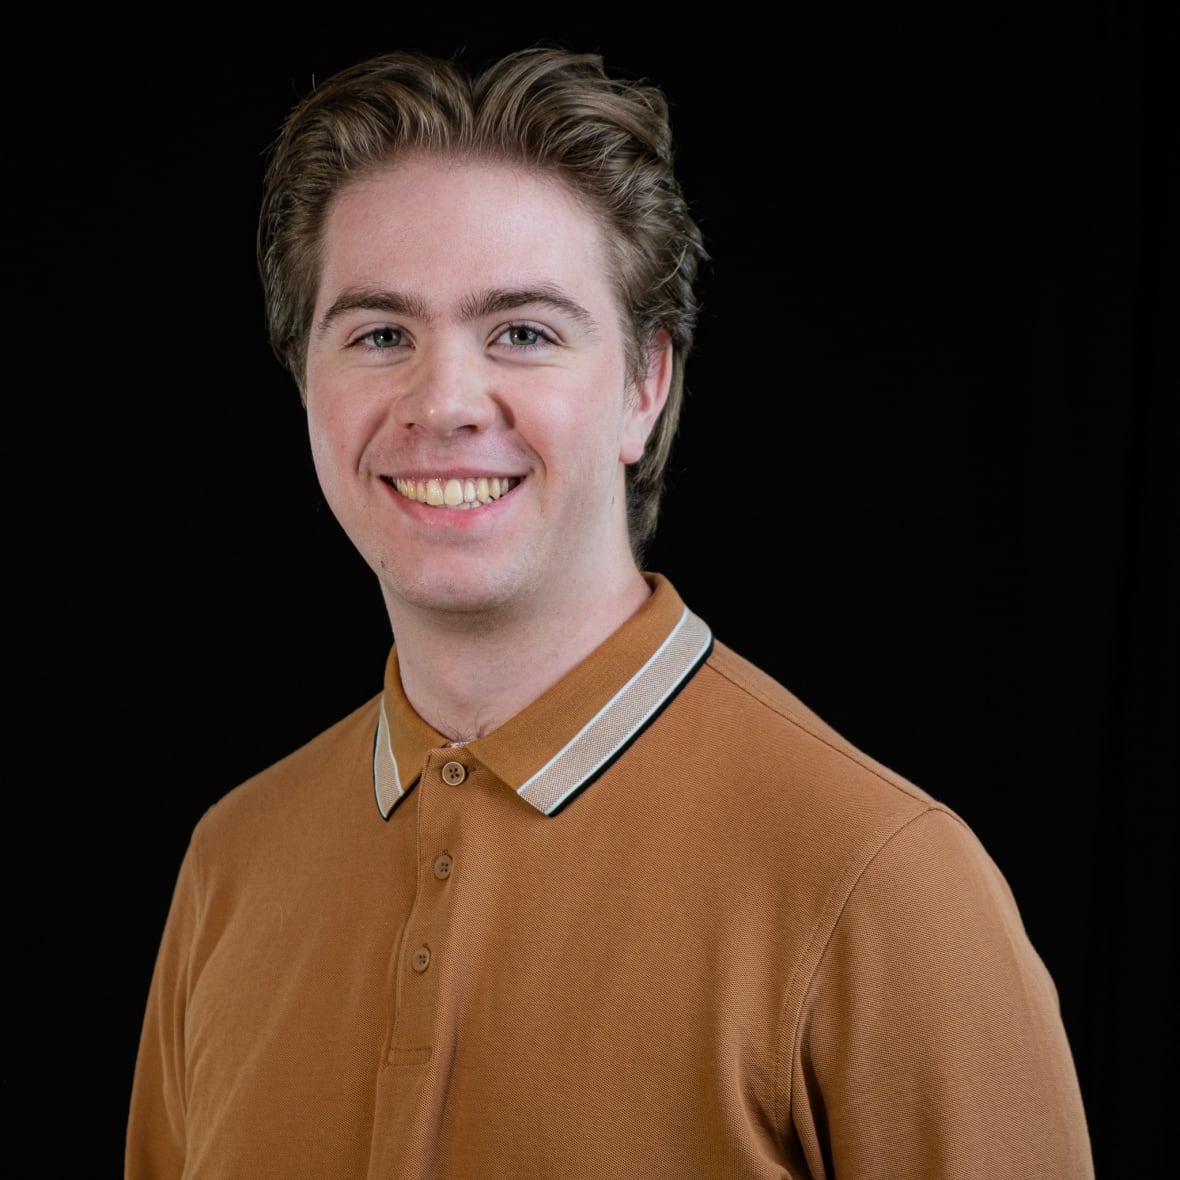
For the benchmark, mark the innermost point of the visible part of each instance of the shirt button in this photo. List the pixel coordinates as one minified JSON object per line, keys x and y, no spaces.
{"x":442,"y":866}
{"x":454,"y":773}
{"x":420,"y":959}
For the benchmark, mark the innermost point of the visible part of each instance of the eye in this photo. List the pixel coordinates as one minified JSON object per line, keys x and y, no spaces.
{"x":524,"y":336}
{"x":384,"y":338}
{"x":519,"y":334}
{"x":381,"y":339}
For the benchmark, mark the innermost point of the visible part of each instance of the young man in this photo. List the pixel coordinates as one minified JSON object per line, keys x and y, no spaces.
{"x":581,"y":893}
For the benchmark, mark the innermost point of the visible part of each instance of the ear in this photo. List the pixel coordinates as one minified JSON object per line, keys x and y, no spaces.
{"x":647,"y":399}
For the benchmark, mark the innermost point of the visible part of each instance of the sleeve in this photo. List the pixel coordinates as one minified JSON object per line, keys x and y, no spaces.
{"x":932,"y":1043}
{"x":155,"y":1143}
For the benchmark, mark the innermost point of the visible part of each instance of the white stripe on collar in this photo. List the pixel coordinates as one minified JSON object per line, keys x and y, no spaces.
{"x":622,"y":719}
{"x":387,"y":783}
{"x":599,"y":742}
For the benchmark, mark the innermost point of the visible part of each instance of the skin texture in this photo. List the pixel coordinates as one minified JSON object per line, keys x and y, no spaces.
{"x":466,"y":327}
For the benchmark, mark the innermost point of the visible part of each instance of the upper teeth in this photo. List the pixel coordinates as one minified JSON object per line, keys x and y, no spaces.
{"x":455,"y":493}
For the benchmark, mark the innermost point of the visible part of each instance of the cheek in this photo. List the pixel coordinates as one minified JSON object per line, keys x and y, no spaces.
{"x":596,"y":415}
{"x":342,"y":413}
{"x":322,"y":447}
{"x":336,"y":438}
{"x":580,"y":433}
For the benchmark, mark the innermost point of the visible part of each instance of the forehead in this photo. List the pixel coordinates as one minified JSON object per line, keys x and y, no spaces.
{"x":445,"y":224}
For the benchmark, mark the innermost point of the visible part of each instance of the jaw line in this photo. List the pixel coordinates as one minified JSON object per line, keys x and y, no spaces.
{"x":443,"y":491}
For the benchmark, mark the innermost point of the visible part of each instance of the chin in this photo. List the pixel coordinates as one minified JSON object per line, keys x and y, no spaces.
{"x":445,"y":594}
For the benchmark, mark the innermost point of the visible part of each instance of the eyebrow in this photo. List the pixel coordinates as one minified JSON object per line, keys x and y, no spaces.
{"x":373,"y":299}
{"x":471,"y":308}
{"x":509,"y":298}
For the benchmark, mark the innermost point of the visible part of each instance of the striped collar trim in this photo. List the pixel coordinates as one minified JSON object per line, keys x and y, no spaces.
{"x":599,"y":742}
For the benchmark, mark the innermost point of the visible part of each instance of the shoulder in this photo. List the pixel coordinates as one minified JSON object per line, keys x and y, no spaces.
{"x":312,"y":780}
{"x":770,"y":737}
{"x":794,"y":807}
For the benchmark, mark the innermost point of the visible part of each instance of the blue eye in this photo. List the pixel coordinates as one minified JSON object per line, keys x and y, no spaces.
{"x":385,"y":337}
{"x":524,"y":337}
{"x":519,"y":334}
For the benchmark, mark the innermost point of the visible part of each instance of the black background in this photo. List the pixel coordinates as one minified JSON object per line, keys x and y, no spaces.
{"x":925,"y":475}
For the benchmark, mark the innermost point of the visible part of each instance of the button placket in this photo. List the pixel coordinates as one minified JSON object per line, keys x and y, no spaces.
{"x":442,"y":865}
{"x":426,"y":940}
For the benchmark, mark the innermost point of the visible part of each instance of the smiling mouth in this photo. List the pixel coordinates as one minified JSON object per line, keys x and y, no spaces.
{"x":449,"y":492}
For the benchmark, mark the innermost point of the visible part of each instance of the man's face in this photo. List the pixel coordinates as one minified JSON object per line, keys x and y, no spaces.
{"x":466,"y":392}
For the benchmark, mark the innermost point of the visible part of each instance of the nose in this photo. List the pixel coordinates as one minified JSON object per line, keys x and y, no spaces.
{"x":449,"y":391}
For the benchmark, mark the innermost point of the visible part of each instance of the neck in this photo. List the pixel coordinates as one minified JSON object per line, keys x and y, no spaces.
{"x":466,"y":675}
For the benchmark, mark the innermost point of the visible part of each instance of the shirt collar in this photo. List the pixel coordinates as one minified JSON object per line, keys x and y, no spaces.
{"x":560,"y":744}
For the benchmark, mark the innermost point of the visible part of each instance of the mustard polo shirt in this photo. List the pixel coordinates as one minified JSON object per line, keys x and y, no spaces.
{"x":665,"y":922}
